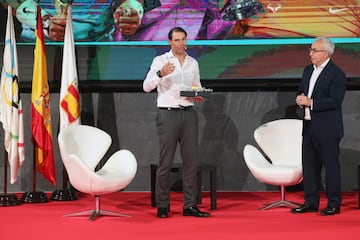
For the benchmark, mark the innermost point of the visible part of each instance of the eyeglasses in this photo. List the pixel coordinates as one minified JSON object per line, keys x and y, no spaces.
{"x":316,"y":50}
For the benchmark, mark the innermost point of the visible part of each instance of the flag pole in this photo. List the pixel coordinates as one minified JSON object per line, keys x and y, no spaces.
{"x":43,"y":154}
{"x":9,"y":116}
{"x":65,"y":194}
{"x":34,"y":196}
{"x":5,"y":198}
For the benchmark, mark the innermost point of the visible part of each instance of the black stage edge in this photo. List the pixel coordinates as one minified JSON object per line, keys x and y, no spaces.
{"x":64,"y":195}
{"x":34,"y":197}
{"x":9,"y":200}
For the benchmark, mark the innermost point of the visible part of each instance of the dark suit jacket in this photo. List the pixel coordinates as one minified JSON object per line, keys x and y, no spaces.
{"x":327,"y":96}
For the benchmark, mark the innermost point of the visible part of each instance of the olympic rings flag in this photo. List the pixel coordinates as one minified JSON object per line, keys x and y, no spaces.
{"x":11,"y":113}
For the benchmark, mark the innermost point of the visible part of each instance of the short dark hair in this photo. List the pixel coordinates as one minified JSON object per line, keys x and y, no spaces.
{"x":176,"y":29}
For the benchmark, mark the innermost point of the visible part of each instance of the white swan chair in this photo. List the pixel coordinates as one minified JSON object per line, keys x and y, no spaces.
{"x":281,"y":142}
{"x":81,"y":148}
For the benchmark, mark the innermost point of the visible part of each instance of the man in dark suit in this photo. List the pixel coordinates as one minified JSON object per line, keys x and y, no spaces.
{"x":320,"y":96}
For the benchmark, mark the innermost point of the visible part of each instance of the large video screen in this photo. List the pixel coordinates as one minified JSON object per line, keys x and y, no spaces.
{"x":150,"y":20}
{"x":232,"y":39}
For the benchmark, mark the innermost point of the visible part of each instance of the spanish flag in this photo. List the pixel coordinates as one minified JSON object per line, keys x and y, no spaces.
{"x":41,"y":115}
{"x":69,"y":93}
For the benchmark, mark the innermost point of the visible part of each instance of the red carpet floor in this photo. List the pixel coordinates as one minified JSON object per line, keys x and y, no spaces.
{"x":237,"y":217}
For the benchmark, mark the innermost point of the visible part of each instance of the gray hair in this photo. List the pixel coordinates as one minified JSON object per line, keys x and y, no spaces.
{"x":328,"y":45}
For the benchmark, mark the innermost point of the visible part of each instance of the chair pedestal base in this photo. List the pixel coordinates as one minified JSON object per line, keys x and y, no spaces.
{"x":281,"y":203}
{"x":96,"y":213}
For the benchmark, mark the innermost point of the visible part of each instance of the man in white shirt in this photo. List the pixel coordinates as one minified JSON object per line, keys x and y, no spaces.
{"x":177,"y":121}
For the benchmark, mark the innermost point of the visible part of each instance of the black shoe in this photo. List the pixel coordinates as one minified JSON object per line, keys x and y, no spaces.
{"x":162,"y":213}
{"x":303,"y":209}
{"x":194,"y":211}
{"x":330,"y":211}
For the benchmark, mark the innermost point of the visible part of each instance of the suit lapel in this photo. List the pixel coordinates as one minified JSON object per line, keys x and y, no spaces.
{"x":321,"y":76}
{"x":307,"y":77}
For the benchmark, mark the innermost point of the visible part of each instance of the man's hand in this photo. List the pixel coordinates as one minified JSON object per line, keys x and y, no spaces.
{"x":58,"y":22}
{"x":302,"y":100}
{"x":127,"y":17}
{"x":167,"y":69}
{"x":198,"y":99}
{"x":57,"y":28}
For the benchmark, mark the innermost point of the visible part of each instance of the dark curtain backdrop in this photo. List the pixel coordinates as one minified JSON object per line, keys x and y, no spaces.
{"x":227,"y":122}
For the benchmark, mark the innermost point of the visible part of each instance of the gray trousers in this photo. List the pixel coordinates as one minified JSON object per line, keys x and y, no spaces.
{"x":175,"y":127}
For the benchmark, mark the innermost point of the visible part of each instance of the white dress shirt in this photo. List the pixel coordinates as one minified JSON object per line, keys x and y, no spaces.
{"x":315,"y":74}
{"x":169,"y":86}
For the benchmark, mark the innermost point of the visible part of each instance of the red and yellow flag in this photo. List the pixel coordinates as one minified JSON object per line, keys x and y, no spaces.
{"x":69,"y":93}
{"x":41,"y":115}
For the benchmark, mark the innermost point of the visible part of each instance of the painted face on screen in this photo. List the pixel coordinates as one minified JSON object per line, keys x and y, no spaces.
{"x":318,"y":54}
{"x":178,"y":43}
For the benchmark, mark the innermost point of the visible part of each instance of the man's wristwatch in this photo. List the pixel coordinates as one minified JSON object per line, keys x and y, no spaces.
{"x":159,"y":74}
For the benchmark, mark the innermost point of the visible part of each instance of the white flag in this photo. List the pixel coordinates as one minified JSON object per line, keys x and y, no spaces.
{"x":11,"y":114}
{"x":69,"y":93}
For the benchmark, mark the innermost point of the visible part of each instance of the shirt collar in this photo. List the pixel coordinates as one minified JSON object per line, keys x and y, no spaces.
{"x":322,"y":65}
{"x":171,"y":54}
